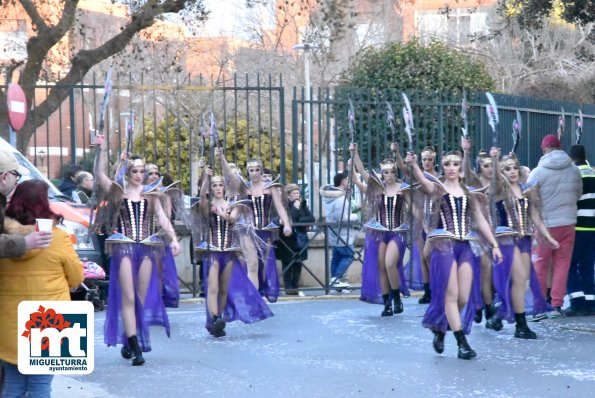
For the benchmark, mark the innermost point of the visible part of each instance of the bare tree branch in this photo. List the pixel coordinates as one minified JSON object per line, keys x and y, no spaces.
{"x":144,"y":15}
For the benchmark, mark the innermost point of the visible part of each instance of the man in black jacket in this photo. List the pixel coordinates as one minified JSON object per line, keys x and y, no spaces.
{"x":581,"y":287}
{"x":292,"y":250}
{"x":68,"y":184}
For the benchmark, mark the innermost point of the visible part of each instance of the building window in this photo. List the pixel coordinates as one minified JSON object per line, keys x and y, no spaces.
{"x":369,"y":34}
{"x":456,"y":27}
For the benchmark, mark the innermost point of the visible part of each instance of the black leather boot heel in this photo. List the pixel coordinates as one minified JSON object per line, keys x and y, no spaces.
{"x":438,"y":342}
{"x":522,"y":330}
{"x":465,"y":351}
{"x":137,"y":354}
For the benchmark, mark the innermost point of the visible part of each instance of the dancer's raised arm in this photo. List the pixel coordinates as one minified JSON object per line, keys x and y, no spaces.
{"x":359,"y":165}
{"x":233,"y":179}
{"x":470,"y":178}
{"x":427,"y":186}
{"x":102,"y":179}
{"x":394,"y":148}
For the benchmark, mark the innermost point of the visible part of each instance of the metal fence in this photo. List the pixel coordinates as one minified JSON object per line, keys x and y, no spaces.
{"x":437,"y":120}
{"x":166,"y":121}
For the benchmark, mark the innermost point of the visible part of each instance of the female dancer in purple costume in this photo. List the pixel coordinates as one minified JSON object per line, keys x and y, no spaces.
{"x":229,"y":293}
{"x":471,"y":179}
{"x":453,"y":263}
{"x":382,"y":272}
{"x":134,"y":294}
{"x":428,"y":163}
{"x":263,"y":195}
{"x":517,"y":213}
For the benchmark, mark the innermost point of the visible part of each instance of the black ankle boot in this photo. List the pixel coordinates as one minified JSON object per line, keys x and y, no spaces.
{"x":494,"y":323}
{"x":478,"y":316}
{"x":427,"y":297}
{"x":438,"y":342}
{"x":465,"y":351}
{"x":398,"y":304}
{"x":522,"y":330}
{"x":492,"y":320}
{"x":218,"y":328}
{"x":137,"y":354}
{"x":488,"y":311}
{"x":388,"y":306}
{"x":125,"y":352}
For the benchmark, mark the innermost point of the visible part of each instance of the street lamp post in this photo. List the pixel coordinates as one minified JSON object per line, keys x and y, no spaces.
{"x":306,"y":47}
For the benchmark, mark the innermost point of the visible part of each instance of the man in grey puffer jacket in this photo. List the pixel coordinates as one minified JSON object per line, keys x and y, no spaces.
{"x":560,"y":186}
{"x":341,"y":237}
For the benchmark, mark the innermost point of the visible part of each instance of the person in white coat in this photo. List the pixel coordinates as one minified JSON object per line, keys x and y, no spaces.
{"x":560,"y":185}
{"x":341,"y":236}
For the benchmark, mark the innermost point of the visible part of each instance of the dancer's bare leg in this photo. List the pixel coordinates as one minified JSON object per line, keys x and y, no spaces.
{"x":128,"y":296}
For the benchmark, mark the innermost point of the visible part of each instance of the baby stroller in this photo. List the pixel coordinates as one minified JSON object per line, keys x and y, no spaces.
{"x":90,"y":288}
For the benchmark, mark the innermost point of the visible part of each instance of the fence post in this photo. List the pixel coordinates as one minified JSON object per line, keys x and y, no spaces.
{"x":294,"y":137}
{"x":72,"y":126}
{"x":282,"y":152}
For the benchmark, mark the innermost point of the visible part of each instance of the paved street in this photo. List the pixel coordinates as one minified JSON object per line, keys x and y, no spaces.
{"x":314,"y":348}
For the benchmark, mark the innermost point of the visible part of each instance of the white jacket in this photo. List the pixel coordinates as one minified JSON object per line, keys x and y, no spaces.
{"x":560,"y":187}
{"x":335,"y":202}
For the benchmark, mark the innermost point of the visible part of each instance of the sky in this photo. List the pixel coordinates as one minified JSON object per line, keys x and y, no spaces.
{"x":229,"y":17}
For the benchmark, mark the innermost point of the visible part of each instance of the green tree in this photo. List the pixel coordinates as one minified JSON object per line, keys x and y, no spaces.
{"x":173,"y":155}
{"x":432,"y":75}
{"x":531,"y":14}
{"x":173,"y":149}
{"x":243,"y":144}
{"x":415,"y":66}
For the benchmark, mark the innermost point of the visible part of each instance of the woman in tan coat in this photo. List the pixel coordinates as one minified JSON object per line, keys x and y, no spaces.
{"x":40,"y":274}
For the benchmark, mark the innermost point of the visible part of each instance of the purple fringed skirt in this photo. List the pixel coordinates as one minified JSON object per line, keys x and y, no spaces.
{"x":444,"y":253}
{"x":268,"y":279}
{"x":535,"y":303}
{"x":413,"y":274}
{"x":169,"y":277}
{"x":152,"y":313}
{"x":371,"y":291}
{"x":244,"y":302}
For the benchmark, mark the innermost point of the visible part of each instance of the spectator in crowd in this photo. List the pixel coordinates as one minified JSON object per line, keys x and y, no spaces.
{"x":39,"y":275}
{"x":84,"y":186}
{"x":292,"y":250}
{"x":581,"y":286}
{"x":560,"y":186}
{"x":68,"y":184}
{"x":341,"y":238}
{"x":15,"y":245}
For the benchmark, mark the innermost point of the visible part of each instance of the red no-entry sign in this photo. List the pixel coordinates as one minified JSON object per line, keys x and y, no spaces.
{"x":17,"y":106}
